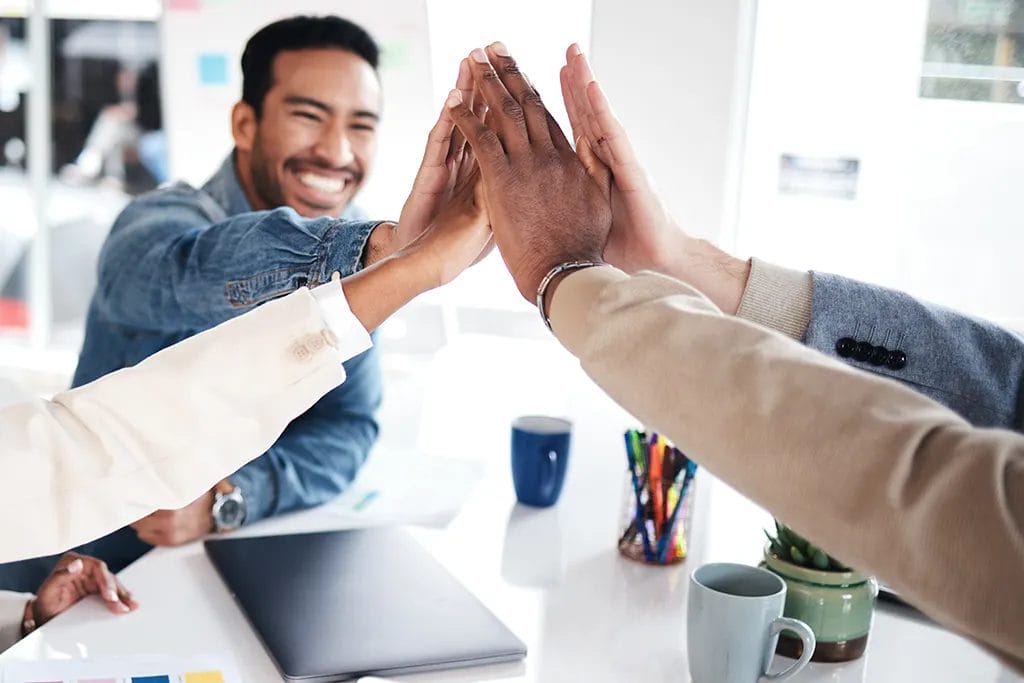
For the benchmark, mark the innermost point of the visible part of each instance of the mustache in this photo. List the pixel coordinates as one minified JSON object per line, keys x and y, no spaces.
{"x":297,"y":163}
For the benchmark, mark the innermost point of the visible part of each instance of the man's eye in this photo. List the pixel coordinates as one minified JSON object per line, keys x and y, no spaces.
{"x":307,"y":115}
{"x":363,"y":127}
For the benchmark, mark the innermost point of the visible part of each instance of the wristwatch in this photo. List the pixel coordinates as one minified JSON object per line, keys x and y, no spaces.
{"x":228,"y":506}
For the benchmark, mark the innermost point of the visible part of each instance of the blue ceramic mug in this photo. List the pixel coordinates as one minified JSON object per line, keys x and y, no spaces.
{"x":540,"y":455}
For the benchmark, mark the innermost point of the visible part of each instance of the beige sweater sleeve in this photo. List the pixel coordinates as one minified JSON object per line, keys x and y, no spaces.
{"x":777,"y":297}
{"x":159,"y":434}
{"x":880,"y":476}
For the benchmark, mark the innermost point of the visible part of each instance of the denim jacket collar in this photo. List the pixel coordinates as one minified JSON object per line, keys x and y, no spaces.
{"x":225,"y":189}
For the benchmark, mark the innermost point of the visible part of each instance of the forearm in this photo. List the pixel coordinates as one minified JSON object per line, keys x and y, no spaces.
{"x":887,"y":480}
{"x":182,"y":273}
{"x":969,"y":365}
{"x":378,"y":291}
{"x":720,"y":276}
{"x":159,"y":434}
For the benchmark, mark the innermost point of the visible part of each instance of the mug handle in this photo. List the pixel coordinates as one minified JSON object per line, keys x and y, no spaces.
{"x":549,"y":466}
{"x":780,"y":624}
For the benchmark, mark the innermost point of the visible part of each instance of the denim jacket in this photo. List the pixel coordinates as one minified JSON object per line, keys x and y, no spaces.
{"x":180,"y":260}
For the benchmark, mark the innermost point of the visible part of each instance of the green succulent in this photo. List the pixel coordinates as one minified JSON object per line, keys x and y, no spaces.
{"x":792,"y":547}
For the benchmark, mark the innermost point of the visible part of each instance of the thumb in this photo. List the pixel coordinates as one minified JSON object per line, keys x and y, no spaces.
{"x":75,"y":567}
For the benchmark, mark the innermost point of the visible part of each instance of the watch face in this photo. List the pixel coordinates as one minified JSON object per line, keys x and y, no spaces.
{"x":231,"y":513}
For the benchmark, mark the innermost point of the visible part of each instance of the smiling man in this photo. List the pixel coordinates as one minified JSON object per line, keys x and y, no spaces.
{"x":276,"y":216}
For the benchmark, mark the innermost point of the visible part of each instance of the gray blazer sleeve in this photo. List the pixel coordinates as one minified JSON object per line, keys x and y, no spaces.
{"x":970,"y":365}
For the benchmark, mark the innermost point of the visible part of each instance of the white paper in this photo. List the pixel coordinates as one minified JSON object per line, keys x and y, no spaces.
{"x":423,"y":491}
{"x":123,"y":669}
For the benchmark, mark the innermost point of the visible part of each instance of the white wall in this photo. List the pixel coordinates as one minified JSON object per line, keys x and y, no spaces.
{"x":675,"y":73}
{"x":937,"y":211}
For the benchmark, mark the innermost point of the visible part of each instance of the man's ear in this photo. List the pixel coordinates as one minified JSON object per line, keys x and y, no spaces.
{"x":243,"y":125}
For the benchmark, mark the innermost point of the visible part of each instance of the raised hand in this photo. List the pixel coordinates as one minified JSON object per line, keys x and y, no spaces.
{"x":644,"y":236}
{"x":545,"y":208}
{"x":446,"y":165}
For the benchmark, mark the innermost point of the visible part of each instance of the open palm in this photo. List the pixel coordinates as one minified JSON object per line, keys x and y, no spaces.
{"x":644,"y":236}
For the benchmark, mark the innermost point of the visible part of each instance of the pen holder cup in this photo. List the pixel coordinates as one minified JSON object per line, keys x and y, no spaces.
{"x":631,"y":541}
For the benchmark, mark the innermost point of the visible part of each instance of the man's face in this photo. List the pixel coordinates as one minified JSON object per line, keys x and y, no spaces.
{"x":313,"y":145}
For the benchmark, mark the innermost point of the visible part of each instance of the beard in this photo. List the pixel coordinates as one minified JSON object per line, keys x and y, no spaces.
{"x":268,"y":190}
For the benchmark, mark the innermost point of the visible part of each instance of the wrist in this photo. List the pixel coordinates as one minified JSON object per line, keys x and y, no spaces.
{"x":417,"y":268}
{"x":719,"y":275}
{"x":554,"y":277}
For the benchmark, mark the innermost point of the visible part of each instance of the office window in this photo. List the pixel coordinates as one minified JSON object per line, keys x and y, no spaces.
{"x":974,"y":50}
{"x":106,"y":144}
{"x":15,"y":233}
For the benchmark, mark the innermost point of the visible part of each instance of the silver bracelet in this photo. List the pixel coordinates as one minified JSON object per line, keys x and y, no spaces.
{"x":542,"y":289}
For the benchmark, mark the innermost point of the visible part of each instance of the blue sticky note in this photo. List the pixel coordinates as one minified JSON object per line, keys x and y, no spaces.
{"x":213,"y":68}
{"x":151,"y":679}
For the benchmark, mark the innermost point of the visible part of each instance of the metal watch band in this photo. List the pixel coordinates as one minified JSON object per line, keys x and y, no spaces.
{"x":542,"y":289}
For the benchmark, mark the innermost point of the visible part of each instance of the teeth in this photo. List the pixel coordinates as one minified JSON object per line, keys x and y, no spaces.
{"x":321,"y":183}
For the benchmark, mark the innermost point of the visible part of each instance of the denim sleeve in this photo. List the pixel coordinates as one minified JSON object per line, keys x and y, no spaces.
{"x":970,"y":365}
{"x":166,"y":266}
{"x":320,"y":452}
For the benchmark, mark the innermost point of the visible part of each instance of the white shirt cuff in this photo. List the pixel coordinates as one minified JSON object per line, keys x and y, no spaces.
{"x":352,"y":337}
{"x":12,"y":609}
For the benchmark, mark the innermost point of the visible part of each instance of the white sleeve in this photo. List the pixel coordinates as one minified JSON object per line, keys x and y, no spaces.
{"x":159,"y":434}
{"x":12,"y":608}
{"x":352,"y":337}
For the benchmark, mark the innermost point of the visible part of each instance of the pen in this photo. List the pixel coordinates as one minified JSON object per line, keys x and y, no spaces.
{"x":631,"y":440}
{"x":664,"y":543}
{"x":654,"y":484}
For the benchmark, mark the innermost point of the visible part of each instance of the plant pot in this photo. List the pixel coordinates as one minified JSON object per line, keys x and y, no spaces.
{"x":838,"y":606}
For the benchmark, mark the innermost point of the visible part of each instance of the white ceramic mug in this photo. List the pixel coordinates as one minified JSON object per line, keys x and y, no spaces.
{"x":733,"y":621}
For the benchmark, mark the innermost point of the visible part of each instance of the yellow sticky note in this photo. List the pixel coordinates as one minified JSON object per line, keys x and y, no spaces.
{"x":204,"y":677}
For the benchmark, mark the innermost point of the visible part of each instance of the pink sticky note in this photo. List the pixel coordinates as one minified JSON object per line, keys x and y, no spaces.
{"x":183,"y":5}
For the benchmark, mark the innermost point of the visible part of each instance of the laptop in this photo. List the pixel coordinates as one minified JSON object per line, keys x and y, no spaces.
{"x":338,"y":605}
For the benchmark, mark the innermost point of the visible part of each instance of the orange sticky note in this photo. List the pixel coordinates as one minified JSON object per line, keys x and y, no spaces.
{"x":204,"y":677}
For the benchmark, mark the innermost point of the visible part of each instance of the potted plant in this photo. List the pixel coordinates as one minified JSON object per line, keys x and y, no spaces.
{"x":834,"y":600}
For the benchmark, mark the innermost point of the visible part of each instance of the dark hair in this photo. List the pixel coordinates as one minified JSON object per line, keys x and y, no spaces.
{"x":147,"y":99}
{"x":298,"y":33}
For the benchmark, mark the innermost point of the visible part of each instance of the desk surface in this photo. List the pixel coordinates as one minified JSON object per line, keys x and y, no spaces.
{"x":553,"y":576}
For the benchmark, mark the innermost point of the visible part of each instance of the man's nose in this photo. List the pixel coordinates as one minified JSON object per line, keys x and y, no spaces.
{"x":335,"y":147}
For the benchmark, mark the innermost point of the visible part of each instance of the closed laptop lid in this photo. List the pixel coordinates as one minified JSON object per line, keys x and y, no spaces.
{"x":342,"y":604}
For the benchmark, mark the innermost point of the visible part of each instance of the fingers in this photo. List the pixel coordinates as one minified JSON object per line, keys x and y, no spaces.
{"x":519,"y":87}
{"x":596,"y":168}
{"x":558,"y":138}
{"x":509,"y":120}
{"x":126,"y":597}
{"x":484,"y":140}
{"x":103,"y":582}
{"x":580,"y":78}
{"x":464,"y":84}
{"x":569,"y":98}
{"x":576,"y":81}
{"x":439,"y":142}
{"x":612,"y":135}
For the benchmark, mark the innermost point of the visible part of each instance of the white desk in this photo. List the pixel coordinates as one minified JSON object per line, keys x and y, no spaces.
{"x":553,"y":576}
